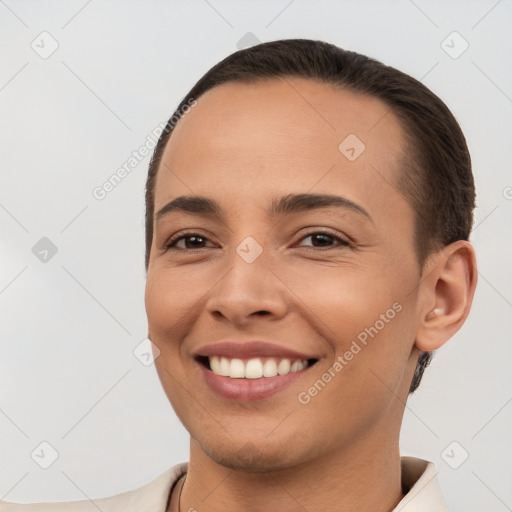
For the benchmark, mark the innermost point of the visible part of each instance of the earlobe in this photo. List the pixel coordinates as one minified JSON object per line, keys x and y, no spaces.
{"x":446,"y":295}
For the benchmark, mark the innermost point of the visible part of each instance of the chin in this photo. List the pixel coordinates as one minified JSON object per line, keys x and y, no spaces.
{"x":248,"y":457}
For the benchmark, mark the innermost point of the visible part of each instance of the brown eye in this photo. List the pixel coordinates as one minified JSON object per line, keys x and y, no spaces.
{"x":192,"y":241}
{"x":324,"y":239}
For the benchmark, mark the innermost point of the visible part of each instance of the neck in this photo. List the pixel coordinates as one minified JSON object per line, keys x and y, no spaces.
{"x":364,"y":477}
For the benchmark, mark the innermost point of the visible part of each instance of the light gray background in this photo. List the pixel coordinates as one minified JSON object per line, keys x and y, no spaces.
{"x":69,"y":326}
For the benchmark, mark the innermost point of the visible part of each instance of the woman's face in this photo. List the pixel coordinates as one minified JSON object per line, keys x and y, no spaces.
{"x":335,"y":285}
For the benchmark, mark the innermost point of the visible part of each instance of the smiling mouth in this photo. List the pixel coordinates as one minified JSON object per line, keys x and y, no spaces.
{"x":253,"y":368}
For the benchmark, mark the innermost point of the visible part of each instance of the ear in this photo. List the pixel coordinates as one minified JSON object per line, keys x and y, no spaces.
{"x":446,"y":294}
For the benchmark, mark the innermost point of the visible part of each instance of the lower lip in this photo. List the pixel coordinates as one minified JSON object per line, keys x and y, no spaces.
{"x":247,"y":390}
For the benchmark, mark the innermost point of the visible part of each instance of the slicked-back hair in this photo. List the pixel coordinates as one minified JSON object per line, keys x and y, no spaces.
{"x":435,"y":174}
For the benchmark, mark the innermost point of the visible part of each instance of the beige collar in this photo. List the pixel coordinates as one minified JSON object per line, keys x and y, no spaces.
{"x":419,"y":481}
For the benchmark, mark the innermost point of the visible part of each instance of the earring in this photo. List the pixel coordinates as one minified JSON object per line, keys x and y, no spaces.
{"x":434,"y":313}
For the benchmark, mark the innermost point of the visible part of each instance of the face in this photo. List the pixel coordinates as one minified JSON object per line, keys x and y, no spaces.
{"x":330,"y":282}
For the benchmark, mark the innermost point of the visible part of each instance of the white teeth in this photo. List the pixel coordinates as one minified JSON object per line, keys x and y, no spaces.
{"x":220,"y":365}
{"x":254,"y":368}
{"x":237,"y":369}
{"x":296,"y":366}
{"x":224,"y":367}
{"x":270,"y":368}
{"x":284,"y":367}
{"x":215,"y":365}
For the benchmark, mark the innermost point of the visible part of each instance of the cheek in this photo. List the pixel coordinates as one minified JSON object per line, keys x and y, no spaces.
{"x":367,"y":318}
{"x":166,"y":309}
{"x":358,"y":387}
{"x":160,"y":299}
{"x":171,"y":296}
{"x":346,"y":299}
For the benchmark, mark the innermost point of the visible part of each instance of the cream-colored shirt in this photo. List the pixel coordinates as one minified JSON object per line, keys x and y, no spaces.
{"x":419,"y":477}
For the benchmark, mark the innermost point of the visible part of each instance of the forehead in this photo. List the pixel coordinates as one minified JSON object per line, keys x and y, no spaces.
{"x":287,"y":134}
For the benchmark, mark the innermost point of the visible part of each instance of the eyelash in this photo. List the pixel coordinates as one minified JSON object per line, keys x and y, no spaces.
{"x":170,"y":244}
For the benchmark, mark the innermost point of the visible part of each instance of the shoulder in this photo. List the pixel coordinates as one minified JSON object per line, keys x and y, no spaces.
{"x":149,"y":497}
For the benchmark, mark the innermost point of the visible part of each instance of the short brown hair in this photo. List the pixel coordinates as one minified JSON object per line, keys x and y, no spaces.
{"x":436,"y":176}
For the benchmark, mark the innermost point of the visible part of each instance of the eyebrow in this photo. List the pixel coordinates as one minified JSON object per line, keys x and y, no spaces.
{"x":292,"y":203}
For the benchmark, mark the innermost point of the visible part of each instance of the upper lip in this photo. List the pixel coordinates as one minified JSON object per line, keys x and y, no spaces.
{"x":250,"y":349}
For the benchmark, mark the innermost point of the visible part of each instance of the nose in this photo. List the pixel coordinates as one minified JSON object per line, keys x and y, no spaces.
{"x":248,"y":291}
